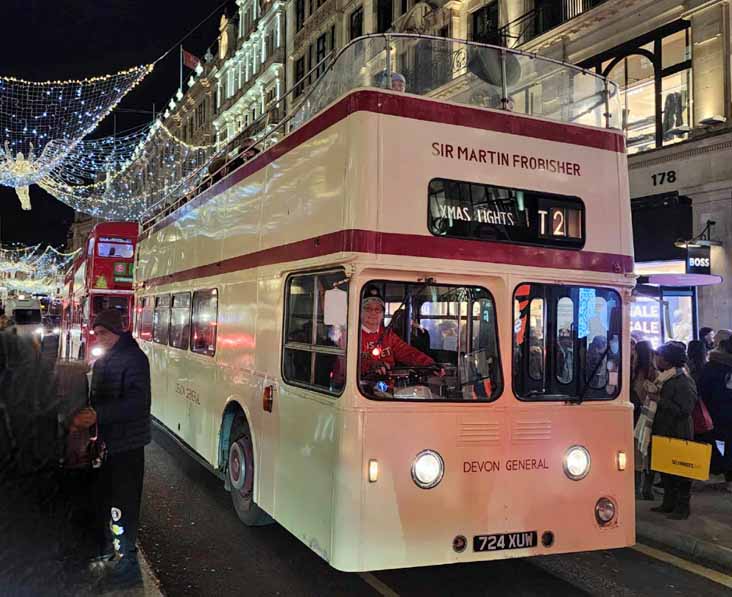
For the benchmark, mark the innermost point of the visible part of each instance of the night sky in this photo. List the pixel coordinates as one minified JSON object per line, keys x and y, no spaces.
{"x":70,"y":39}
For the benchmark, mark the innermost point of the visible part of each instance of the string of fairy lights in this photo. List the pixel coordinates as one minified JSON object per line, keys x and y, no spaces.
{"x":45,"y":140}
{"x":42,"y":122}
{"x":117,"y":178}
{"x":34,"y":269}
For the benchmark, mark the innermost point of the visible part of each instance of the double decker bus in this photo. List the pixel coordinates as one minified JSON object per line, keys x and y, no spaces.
{"x":401,"y":330}
{"x":100,"y":278}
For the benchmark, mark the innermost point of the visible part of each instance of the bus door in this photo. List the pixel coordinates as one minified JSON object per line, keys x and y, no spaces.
{"x":314,"y":372}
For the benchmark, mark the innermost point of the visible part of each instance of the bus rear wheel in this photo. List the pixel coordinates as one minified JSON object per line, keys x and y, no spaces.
{"x":240,"y":473}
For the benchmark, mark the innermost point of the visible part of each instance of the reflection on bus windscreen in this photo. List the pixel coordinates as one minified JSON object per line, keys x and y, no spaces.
{"x":566,"y":342}
{"x":120,"y":303}
{"x":428,"y":342}
{"x":115,"y":247}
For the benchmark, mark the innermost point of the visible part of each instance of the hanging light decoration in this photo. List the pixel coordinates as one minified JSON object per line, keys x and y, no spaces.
{"x":118,"y":178}
{"x":42,"y":122}
{"x":34,"y":269}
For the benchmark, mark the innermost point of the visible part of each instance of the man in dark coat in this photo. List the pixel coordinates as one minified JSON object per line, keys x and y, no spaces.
{"x":673,"y":419}
{"x":120,"y":408}
{"x":715,"y":387}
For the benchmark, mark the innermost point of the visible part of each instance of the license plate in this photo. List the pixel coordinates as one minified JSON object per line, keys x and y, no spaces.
{"x":503,"y":541}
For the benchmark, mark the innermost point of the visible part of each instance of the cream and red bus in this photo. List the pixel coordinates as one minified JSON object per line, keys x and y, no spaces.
{"x":496,"y":242}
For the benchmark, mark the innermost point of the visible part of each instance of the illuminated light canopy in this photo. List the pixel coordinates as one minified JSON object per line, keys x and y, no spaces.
{"x":34,"y":270}
{"x":118,"y":178}
{"x":42,"y":122}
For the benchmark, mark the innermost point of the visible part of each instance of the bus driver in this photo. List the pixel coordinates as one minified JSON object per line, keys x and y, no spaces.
{"x":382,"y":348}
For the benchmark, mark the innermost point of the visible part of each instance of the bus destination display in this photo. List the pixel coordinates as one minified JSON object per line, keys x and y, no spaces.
{"x":486,"y":212}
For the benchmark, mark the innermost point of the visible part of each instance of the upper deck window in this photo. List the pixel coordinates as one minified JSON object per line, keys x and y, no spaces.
{"x":486,"y":212}
{"x":428,"y":342}
{"x":566,"y":342}
{"x":115,"y":247}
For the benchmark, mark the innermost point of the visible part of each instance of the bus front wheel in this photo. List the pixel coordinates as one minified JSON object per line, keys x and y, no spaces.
{"x":240,"y":472}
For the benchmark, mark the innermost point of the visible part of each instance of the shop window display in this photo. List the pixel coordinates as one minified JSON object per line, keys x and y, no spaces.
{"x":653,"y":73}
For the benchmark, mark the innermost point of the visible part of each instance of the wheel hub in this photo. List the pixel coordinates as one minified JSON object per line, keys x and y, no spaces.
{"x":237,"y":466}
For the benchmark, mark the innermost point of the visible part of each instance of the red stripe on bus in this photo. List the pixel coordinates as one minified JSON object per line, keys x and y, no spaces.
{"x":408,"y":245}
{"x":407,"y":107}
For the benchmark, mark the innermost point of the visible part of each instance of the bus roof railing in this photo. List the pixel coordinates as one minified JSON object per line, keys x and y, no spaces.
{"x":453,"y":70}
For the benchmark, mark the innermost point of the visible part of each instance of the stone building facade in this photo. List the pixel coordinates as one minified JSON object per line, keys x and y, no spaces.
{"x":250,"y":71}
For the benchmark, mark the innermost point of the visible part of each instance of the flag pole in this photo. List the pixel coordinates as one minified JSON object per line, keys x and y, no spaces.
{"x":181,"y":68}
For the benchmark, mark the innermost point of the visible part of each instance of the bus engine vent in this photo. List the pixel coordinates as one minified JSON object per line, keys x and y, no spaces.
{"x":530,"y":431}
{"x":478,"y":433}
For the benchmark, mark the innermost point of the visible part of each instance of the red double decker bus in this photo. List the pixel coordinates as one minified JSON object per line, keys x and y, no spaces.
{"x":100,"y":278}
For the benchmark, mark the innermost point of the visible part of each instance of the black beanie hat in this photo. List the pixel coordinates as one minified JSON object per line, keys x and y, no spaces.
{"x":673,"y":353}
{"x":110,"y":319}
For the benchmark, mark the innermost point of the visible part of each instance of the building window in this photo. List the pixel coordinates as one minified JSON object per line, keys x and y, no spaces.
{"x":384,"y":15}
{"x":320,"y":53}
{"x":485,"y":24}
{"x":299,"y":14}
{"x":180,"y":320}
{"x":161,"y":319}
{"x":314,"y":351}
{"x":299,"y":74}
{"x":653,"y":74}
{"x":204,"y":321}
{"x":356,"y":29}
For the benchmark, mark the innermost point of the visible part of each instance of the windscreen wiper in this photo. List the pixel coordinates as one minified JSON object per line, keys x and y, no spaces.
{"x":582,"y":396}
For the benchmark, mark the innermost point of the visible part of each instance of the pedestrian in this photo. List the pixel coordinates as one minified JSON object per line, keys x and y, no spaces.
{"x":720,"y":336}
{"x":643,"y":370}
{"x":120,"y":410}
{"x":715,"y":387}
{"x":706,"y":335}
{"x":677,"y":398}
{"x":697,"y":358}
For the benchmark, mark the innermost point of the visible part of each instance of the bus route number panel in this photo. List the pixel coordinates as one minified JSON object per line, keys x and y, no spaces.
{"x":484,"y":212}
{"x":502,"y":541}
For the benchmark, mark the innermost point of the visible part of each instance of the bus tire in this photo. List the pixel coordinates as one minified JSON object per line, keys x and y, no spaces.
{"x":240,"y":475}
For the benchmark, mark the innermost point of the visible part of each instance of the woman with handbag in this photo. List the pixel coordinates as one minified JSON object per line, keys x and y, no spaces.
{"x":715,"y":386}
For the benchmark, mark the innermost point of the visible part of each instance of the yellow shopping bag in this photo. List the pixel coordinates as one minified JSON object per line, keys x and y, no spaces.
{"x":680,"y":457}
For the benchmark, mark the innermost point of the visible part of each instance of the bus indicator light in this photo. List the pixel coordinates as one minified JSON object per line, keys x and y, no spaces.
{"x":622,"y":460}
{"x":373,"y":470}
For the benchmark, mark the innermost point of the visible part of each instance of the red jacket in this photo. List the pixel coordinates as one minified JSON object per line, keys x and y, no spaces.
{"x":393,"y":350}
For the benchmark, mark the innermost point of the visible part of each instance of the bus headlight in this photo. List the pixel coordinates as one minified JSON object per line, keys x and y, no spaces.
{"x":39,"y":331}
{"x":57,"y":331}
{"x":97,"y":351}
{"x":428,"y":469}
{"x":577,"y":463}
{"x":605,"y":511}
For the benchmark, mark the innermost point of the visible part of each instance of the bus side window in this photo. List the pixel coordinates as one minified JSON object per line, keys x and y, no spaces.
{"x":204,"y":321}
{"x":146,"y":319}
{"x":161,"y":319}
{"x":180,"y":320}
{"x":315,"y":331}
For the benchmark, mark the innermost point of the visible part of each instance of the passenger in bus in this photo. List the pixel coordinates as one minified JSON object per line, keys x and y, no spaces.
{"x":382,"y":348}
{"x":565,"y":357}
{"x":418,"y":336}
{"x":595,"y":354}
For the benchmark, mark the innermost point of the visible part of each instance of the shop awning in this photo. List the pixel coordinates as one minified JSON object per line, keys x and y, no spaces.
{"x":680,"y":279}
